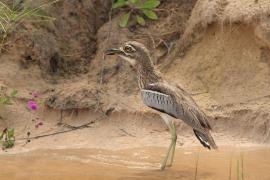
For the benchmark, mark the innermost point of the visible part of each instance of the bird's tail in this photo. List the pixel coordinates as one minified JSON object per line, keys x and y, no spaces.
{"x":205,"y":139}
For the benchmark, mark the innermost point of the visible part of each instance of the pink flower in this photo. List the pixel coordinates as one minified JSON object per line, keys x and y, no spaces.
{"x":35,"y":94}
{"x":32,"y":105}
{"x":39,"y":124}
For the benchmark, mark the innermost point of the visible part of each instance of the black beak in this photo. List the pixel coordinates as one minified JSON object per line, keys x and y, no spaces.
{"x":113,"y":51}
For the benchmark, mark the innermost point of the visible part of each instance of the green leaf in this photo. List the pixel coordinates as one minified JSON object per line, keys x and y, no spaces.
{"x":119,"y":3}
{"x":7,"y":101}
{"x":140,"y":20}
{"x":1,"y":136}
{"x":8,"y":144}
{"x":11,"y":143}
{"x":10,"y":133}
{"x":13,"y":93}
{"x":151,"y":4}
{"x":150,"y":14}
{"x":133,"y":1}
{"x":124,"y":20}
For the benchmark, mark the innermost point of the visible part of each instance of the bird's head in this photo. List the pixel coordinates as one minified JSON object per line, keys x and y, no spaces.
{"x":133,"y":52}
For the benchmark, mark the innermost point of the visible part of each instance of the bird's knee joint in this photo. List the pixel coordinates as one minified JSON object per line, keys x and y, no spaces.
{"x":174,"y":137}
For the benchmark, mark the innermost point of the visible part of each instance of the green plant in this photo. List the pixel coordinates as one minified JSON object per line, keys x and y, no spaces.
{"x":138,"y":9}
{"x":12,"y":15}
{"x":5,"y":99}
{"x":240,"y":167}
{"x":230,"y":167}
{"x":7,"y":138}
{"x":238,"y":170}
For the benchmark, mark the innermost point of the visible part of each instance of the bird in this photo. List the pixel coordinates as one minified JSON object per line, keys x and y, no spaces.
{"x":171,"y":101}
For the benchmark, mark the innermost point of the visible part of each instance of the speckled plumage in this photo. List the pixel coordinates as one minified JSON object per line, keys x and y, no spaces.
{"x":169,"y":99}
{"x":181,"y":104}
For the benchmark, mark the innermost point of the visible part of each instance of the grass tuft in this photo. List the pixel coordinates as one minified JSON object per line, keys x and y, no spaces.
{"x":240,"y":167}
{"x":230,"y":167}
{"x":238,"y":170}
{"x":12,"y":15}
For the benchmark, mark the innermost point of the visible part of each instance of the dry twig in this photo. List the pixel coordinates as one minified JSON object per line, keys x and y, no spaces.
{"x":59,"y":132}
{"x":104,"y":56}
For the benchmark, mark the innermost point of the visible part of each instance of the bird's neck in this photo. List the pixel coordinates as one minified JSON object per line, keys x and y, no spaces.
{"x":147,"y":75}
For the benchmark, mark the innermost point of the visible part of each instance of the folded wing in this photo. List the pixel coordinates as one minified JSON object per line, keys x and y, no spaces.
{"x":178,"y":104}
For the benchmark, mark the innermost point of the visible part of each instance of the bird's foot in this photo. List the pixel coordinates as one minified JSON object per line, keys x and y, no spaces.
{"x":162,"y":167}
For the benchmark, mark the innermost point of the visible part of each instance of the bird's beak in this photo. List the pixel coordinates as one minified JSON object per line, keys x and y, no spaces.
{"x":113,"y":51}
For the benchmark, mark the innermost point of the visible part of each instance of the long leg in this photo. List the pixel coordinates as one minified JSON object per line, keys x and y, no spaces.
{"x":163,"y":165}
{"x":174,"y":139}
{"x":171,"y":148}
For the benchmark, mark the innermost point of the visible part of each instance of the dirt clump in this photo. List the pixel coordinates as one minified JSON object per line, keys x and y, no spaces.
{"x":66,"y":45}
{"x":223,"y":12}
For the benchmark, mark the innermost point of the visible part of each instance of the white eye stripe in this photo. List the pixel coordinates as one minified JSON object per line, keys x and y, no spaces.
{"x":128,"y":59}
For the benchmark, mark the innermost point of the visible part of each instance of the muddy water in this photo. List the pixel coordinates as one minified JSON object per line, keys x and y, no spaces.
{"x":195,"y":163}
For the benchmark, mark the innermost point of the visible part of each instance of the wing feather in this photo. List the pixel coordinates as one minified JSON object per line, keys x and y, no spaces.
{"x":179,"y":104}
{"x":159,"y":101}
{"x":176,"y":102}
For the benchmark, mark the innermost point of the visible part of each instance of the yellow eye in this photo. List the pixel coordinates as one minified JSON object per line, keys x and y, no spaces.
{"x":128,"y":49}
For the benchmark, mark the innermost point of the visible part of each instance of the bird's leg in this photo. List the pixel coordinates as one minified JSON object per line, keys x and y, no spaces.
{"x":174,"y":139}
{"x":166,"y":157}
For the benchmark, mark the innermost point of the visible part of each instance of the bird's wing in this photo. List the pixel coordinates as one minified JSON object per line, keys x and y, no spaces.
{"x":159,"y":101}
{"x":177,"y":103}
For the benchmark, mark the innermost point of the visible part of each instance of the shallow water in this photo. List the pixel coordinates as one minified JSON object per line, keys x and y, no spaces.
{"x":227,"y":163}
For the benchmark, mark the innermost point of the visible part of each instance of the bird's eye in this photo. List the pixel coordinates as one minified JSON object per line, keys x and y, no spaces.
{"x":129,"y":49}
